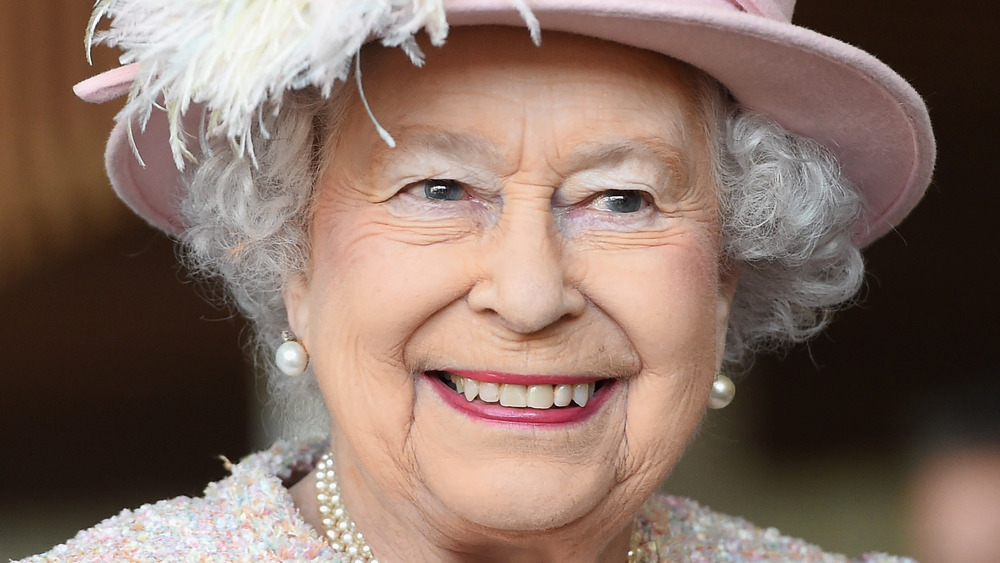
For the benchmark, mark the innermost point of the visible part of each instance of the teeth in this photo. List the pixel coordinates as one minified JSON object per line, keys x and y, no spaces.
{"x":521,"y":396}
{"x":489,"y":392}
{"x":513,"y":395}
{"x":471,"y":388}
{"x":540,"y":396}
{"x":563,"y":395}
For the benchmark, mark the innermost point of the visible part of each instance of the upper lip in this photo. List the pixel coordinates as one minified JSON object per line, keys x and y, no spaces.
{"x":520,"y":378}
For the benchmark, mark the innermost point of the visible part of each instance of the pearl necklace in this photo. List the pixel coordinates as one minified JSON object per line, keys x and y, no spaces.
{"x":344,"y":536}
{"x":341,"y":532}
{"x":642,"y":549}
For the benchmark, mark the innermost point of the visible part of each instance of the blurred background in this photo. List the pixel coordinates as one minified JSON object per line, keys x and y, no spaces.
{"x":121,"y":385}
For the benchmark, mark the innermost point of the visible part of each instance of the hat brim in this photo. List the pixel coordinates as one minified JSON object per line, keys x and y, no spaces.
{"x":811,"y":84}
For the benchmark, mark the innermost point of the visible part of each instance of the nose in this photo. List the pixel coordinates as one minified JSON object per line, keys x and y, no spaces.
{"x":525,"y":283}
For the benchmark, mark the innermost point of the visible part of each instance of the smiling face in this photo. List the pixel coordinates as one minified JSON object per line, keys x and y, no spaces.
{"x":544,"y":233}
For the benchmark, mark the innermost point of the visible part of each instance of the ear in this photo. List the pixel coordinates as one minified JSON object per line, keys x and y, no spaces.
{"x":729,"y":277}
{"x":296,"y":298}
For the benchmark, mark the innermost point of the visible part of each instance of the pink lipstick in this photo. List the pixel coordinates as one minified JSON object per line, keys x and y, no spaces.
{"x":519,"y":398}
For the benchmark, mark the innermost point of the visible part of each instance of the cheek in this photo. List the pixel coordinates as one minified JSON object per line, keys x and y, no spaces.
{"x":666,"y":303}
{"x":369,"y":292}
{"x":380,"y":288}
{"x":667,"y":306}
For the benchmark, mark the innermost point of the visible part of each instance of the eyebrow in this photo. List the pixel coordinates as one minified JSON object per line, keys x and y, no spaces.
{"x":457,"y":145}
{"x":671,"y":162}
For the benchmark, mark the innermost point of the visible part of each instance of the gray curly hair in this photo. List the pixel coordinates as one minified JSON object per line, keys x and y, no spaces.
{"x":787,"y":217}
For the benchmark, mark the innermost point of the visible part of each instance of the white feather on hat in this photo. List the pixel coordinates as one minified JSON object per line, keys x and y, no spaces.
{"x":238,"y":57}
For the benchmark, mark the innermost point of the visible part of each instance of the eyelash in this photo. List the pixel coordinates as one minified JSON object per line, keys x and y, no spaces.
{"x":449,"y":186}
{"x":645,"y":200}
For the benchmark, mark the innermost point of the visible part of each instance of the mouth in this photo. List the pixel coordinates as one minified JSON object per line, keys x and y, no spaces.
{"x":533,"y":396}
{"x":519,"y":398}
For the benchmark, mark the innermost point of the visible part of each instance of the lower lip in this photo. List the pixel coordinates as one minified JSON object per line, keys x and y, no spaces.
{"x":496,"y":412}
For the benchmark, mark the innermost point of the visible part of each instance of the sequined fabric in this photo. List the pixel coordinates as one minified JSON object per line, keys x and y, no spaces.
{"x":249,"y":516}
{"x":678,"y":529}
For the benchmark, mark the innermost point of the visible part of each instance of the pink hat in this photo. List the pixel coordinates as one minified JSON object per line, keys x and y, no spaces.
{"x":816,"y":86}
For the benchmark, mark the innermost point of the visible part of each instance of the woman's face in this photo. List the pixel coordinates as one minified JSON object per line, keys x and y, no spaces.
{"x":546,"y":227}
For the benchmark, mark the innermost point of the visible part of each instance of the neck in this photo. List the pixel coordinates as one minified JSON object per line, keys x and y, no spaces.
{"x":412,"y":530}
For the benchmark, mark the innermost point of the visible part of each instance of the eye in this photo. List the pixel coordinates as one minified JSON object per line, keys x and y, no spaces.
{"x":433,"y":199}
{"x":442,"y":190}
{"x":620,"y":201}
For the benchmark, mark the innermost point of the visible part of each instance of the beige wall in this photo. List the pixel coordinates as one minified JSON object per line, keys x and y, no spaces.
{"x":53,"y":191}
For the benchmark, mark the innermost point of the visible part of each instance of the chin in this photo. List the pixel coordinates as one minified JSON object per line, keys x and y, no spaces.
{"x":517,"y":496}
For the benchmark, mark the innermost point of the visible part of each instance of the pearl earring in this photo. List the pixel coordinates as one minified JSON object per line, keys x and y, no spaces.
{"x":723,"y":391}
{"x":291,"y":356}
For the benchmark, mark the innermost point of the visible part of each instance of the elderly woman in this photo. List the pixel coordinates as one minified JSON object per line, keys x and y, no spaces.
{"x":506,"y":280}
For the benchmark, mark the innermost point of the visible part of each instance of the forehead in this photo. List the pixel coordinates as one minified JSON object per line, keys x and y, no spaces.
{"x":494,"y":83}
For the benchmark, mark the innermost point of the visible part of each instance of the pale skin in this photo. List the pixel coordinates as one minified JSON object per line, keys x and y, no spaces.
{"x":569,"y":228}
